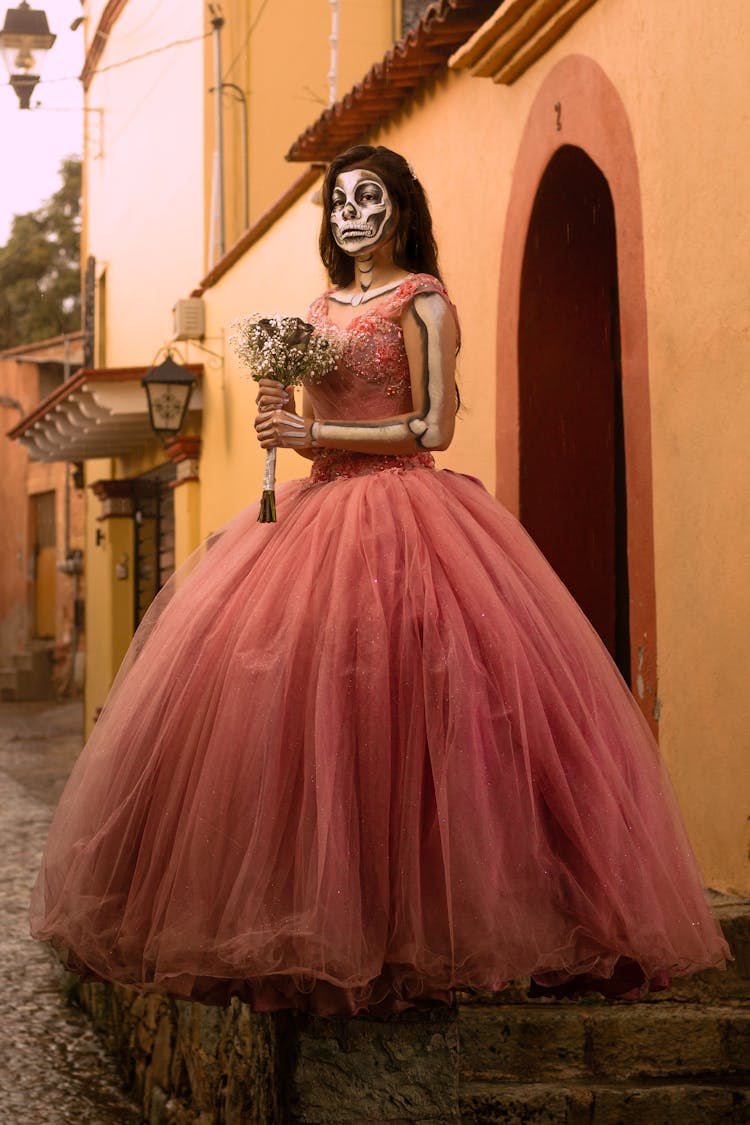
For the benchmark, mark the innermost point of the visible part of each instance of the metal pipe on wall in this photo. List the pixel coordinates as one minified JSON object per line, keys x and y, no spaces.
{"x":333,"y":39}
{"x":217,"y":22}
{"x":239,"y":95}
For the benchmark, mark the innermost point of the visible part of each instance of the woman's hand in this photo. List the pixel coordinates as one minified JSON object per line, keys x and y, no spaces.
{"x":283,"y":428}
{"x":272,"y":396}
{"x":275,"y":426}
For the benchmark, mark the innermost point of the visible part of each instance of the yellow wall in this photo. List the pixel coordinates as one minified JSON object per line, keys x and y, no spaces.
{"x":282,"y":65}
{"x":144,"y":164}
{"x":680,"y":72}
{"x":695,"y":181}
{"x":109,"y":601}
{"x":367,"y":28}
{"x":143,"y":222}
{"x":187,"y":517}
{"x":232,"y":461}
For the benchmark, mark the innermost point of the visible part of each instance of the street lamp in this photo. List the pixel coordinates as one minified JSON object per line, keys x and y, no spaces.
{"x":24,"y":40}
{"x":168,"y":389}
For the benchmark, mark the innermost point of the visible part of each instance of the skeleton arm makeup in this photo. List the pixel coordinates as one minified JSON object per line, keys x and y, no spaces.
{"x":430,"y":342}
{"x":436,"y":406}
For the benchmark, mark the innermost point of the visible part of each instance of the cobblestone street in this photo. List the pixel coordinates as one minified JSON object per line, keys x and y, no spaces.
{"x":53,"y":1070}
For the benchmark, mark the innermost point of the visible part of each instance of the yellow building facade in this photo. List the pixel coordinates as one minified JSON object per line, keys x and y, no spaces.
{"x":150,"y":227}
{"x":537,"y":127}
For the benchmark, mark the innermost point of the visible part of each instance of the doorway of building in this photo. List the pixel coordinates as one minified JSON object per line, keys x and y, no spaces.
{"x":572,"y":450}
{"x":44,"y":550}
{"x":154,"y":535}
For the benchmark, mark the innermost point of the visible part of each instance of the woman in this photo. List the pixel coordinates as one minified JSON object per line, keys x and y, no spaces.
{"x":375,"y":752}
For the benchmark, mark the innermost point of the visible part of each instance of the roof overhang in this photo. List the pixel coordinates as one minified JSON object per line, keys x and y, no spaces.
{"x":515,"y":36}
{"x":100,"y":412}
{"x":415,"y":58}
{"x":65,"y":350}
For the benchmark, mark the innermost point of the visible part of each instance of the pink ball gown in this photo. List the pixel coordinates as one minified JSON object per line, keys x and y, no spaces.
{"x":371,"y":754}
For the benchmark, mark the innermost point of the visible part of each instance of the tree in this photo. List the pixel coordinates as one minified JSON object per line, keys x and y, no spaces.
{"x":40,"y":267}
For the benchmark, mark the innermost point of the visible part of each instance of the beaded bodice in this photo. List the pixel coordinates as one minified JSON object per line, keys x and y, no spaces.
{"x":371,"y":380}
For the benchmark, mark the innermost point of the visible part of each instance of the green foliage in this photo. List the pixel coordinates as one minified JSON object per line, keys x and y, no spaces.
{"x":40,"y":267}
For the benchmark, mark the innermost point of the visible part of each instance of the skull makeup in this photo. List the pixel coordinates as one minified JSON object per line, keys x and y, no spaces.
{"x":361,"y":211}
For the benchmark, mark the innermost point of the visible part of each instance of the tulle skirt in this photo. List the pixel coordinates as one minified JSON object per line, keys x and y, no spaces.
{"x":366,"y":756}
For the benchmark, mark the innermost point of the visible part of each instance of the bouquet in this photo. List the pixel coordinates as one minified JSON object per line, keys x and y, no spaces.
{"x":291,"y":351}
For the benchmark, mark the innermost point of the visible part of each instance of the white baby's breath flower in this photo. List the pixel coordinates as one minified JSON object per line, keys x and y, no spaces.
{"x":291,"y":351}
{"x":285,"y":348}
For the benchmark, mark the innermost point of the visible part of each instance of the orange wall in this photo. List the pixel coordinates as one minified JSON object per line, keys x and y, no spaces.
{"x":21,"y":479}
{"x":463,"y":137}
{"x":50,"y":477}
{"x":694,"y":182}
{"x":15,"y":383}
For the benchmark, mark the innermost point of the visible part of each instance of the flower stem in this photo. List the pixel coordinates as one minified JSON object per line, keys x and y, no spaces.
{"x":267,"y":513}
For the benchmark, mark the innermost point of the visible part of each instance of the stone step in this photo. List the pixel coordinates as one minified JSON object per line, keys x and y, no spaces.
{"x":609,"y":1040}
{"x":688,"y":1103}
{"x":32,"y":671}
{"x":712,"y":986}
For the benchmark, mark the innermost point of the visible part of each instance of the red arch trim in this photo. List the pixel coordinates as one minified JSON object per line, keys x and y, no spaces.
{"x":577,"y":104}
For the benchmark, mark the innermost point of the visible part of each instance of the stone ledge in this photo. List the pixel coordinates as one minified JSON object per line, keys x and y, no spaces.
{"x":194,"y":1065}
{"x":605,"y":1042}
{"x":549,"y":1104}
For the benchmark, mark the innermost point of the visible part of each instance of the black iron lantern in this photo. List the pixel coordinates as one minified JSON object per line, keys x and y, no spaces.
{"x":168,"y":389}
{"x":24,"y":41}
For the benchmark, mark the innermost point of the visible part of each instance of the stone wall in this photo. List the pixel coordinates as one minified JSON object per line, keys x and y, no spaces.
{"x":677,"y":1056}
{"x":194,"y":1065}
{"x":188,"y":1063}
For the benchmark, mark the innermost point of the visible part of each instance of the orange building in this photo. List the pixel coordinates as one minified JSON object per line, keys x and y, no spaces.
{"x":41,"y":537}
{"x":586,"y":166}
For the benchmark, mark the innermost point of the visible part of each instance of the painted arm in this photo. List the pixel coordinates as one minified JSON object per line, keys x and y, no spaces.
{"x":430,"y":342}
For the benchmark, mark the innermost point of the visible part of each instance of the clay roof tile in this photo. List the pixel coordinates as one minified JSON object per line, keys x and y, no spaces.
{"x":425,"y":49}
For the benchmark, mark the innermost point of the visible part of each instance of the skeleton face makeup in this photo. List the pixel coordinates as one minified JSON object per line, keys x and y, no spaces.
{"x":361,"y":211}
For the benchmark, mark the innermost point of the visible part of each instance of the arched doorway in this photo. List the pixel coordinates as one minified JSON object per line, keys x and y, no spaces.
{"x":578,"y":106}
{"x":572,"y":491}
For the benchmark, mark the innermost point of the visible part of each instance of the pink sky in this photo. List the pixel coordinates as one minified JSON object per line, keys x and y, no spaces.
{"x":34,"y":142}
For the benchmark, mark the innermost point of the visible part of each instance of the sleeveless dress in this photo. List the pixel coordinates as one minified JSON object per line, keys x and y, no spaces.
{"x":370,"y":754}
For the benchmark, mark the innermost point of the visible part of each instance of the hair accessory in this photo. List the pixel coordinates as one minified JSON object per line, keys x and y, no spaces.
{"x":411,"y":170}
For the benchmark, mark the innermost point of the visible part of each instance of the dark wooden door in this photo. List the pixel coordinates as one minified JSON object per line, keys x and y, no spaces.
{"x":154,"y":535}
{"x":572,"y":461}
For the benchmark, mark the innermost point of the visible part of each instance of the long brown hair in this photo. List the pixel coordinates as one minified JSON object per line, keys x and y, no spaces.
{"x":414,"y":246}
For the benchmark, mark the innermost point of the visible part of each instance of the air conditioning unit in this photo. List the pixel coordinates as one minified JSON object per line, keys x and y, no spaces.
{"x":189,"y":319}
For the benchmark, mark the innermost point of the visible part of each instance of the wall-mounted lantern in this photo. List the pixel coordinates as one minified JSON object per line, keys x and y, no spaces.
{"x":168,"y":389}
{"x":24,"y":41}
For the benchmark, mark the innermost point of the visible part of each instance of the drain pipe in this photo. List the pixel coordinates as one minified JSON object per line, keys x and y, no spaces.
{"x":333,"y":39}
{"x":239,"y":95}
{"x":217,"y":209}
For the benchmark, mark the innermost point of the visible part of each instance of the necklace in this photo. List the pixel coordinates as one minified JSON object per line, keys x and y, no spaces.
{"x":369,"y":295}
